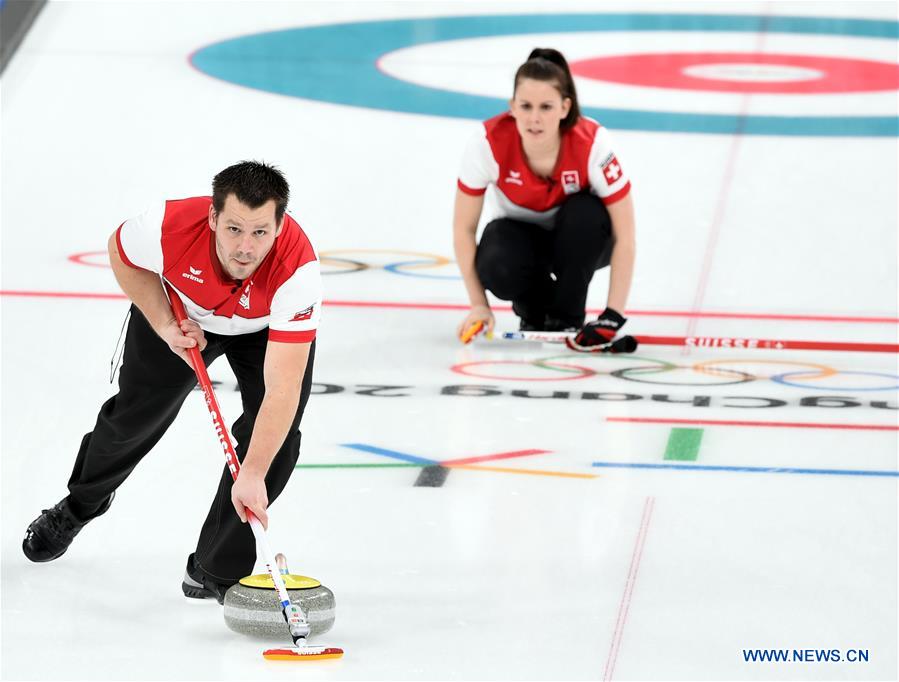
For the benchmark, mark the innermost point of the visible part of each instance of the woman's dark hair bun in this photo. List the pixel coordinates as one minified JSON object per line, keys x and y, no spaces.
{"x":550,"y":55}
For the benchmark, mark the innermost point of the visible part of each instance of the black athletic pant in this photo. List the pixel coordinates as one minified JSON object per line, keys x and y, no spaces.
{"x":515,"y":259}
{"x":153,"y":383}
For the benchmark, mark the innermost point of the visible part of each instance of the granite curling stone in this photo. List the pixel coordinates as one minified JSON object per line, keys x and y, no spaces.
{"x":252,"y":606}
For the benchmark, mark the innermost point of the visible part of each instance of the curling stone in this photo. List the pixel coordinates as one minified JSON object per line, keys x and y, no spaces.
{"x":252,"y":606}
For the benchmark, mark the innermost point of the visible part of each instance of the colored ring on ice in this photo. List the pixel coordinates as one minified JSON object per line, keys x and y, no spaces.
{"x":338,"y":63}
{"x":823,"y":371}
{"x":83,"y":259}
{"x":462,"y":368}
{"x":354,"y":265}
{"x":792,"y":74}
{"x":433,"y":260}
{"x":395,"y":268}
{"x":549,"y":363}
{"x":782,"y":379}
{"x":743,"y":377}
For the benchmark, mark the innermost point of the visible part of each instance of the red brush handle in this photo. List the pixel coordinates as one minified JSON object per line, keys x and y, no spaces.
{"x":293,"y":613}
{"x":778,"y":344}
{"x":203,"y":377}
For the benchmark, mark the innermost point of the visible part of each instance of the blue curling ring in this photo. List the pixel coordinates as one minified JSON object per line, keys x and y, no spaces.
{"x":782,"y":379}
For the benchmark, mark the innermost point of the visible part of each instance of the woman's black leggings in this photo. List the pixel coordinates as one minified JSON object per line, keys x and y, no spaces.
{"x":546,"y":273}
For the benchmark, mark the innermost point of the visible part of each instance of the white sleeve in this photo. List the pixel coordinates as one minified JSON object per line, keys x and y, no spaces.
{"x":478,"y":168}
{"x":607,"y":178}
{"x":297,"y":306}
{"x":139,"y":239}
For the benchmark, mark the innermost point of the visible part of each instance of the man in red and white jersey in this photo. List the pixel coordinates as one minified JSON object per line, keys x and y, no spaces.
{"x":250,"y":281}
{"x":563,"y":210}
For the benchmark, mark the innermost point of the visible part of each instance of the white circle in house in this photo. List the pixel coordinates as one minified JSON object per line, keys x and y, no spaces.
{"x":749,"y":72}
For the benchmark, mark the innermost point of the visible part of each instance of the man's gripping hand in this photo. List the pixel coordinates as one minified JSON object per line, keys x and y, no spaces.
{"x":180,"y":337}
{"x":248,"y":492}
{"x":602,"y":330}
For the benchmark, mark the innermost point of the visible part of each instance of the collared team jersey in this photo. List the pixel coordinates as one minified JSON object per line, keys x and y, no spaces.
{"x":173,"y":239}
{"x":494,"y":156}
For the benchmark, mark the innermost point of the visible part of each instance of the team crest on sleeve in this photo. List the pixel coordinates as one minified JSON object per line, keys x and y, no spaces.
{"x":571,"y":182}
{"x":611,"y":169}
{"x":303,"y":315}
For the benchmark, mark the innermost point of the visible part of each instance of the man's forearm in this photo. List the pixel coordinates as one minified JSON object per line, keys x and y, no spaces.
{"x":143,"y":287}
{"x":276,"y":415}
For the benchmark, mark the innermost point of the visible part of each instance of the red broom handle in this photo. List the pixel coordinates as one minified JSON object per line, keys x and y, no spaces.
{"x":203,"y":377}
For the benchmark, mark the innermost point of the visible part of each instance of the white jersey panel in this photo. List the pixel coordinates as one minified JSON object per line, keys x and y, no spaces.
{"x":503,"y":207}
{"x":297,"y":304}
{"x":478,"y":168}
{"x":141,"y":238}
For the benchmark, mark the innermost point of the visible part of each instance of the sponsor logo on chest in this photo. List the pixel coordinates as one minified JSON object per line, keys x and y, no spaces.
{"x":514,"y":177}
{"x":193,"y":274}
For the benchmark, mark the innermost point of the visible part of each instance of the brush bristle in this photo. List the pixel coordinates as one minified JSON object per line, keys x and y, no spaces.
{"x":302,"y":653}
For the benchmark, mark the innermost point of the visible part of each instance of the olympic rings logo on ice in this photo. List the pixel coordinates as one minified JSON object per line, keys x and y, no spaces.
{"x":410,"y":263}
{"x":708,"y":373}
{"x":345,"y":262}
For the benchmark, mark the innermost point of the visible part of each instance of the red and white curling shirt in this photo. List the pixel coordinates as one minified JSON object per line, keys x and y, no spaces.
{"x":494,"y":156}
{"x":173,"y":239}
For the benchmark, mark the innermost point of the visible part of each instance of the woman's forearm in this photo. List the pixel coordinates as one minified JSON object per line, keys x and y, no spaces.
{"x":465,"y":225}
{"x":624,"y":249}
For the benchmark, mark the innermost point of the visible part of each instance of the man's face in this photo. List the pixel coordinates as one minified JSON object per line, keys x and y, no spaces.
{"x":243,"y":235}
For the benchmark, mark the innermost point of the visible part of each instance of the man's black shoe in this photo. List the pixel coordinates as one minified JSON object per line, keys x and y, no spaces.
{"x":197,"y":585}
{"x":50,"y":534}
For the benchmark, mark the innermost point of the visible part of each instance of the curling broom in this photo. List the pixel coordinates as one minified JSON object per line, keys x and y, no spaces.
{"x":296,"y":620}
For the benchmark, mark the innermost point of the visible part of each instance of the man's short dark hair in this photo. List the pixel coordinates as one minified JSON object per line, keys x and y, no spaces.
{"x":253,"y":183}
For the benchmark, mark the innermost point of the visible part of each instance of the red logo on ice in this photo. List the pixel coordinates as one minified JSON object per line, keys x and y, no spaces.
{"x":303,"y":314}
{"x":611,"y":169}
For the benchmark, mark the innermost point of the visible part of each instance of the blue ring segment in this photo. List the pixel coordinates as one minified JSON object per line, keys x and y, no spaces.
{"x":337,"y":63}
{"x":395,"y":269}
{"x":783,"y":379}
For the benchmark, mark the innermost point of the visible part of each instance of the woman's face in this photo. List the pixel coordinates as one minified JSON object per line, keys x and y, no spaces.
{"x":538,"y":107}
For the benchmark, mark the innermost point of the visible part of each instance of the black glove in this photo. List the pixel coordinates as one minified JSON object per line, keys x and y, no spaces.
{"x":602,"y":331}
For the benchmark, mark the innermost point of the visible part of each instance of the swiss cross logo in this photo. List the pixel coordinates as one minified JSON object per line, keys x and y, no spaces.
{"x":611,"y":170}
{"x":303,"y":315}
{"x":571,"y":182}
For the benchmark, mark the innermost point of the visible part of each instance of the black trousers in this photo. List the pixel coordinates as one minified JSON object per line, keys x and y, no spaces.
{"x":153,"y":383}
{"x":517,"y":261}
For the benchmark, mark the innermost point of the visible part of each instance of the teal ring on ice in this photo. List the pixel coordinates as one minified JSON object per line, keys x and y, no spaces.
{"x":337,"y":63}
